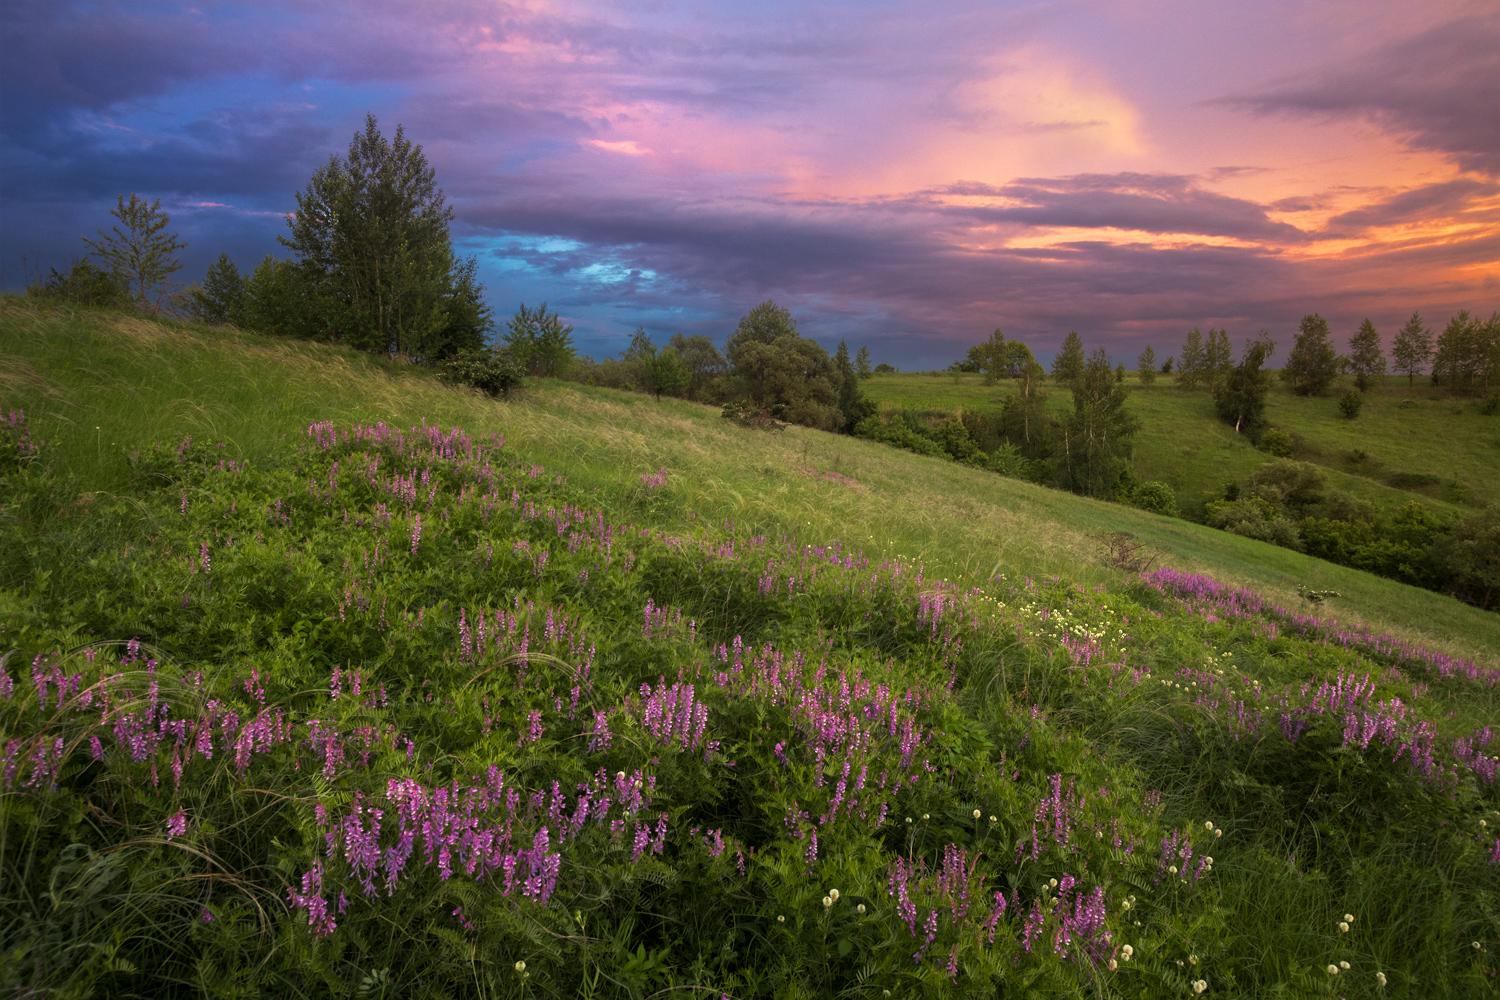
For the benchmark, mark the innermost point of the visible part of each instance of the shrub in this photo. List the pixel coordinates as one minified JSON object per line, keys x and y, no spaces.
{"x":897,"y":433}
{"x":1159,"y":498}
{"x":1350,"y":403}
{"x":491,"y":372}
{"x":1276,"y":441}
{"x":1491,"y":404}
{"x":84,"y":285}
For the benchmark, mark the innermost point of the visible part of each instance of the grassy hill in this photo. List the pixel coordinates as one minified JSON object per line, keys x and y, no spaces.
{"x":1401,"y":435}
{"x":321,"y":678}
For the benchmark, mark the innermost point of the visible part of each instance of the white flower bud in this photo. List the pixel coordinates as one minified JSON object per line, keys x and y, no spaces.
{"x":976,"y":814}
{"x":1348,"y":918}
{"x":1333,"y":970}
{"x":860,"y":908}
{"x":1380,"y":979}
{"x":827,"y":901}
{"x":1126,"y":952}
{"x":520,"y":966}
{"x":1343,"y":927}
{"x":1208,"y":826}
{"x":780,"y":918}
{"x":833,"y":894}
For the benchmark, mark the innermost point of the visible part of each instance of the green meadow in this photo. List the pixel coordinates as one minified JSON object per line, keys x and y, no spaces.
{"x":1413,"y":431}
{"x":322,"y":678}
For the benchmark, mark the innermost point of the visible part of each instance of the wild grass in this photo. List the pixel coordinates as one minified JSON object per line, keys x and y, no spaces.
{"x":413,"y":619}
{"x":77,"y":370}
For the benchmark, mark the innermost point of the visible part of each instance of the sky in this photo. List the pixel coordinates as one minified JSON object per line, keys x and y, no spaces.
{"x":907,"y":176}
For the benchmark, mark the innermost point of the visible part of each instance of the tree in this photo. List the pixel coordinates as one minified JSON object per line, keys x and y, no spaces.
{"x":1068,"y":366}
{"x":1145,"y":365}
{"x":853,"y":407}
{"x":1240,"y":398}
{"x":663,"y":370}
{"x":702,"y":359}
{"x":999,"y":358}
{"x":1413,"y":349}
{"x":1190,"y":366}
{"x":1312,"y":364}
{"x":371,"y":235}
{"x":278,"y":300}
{"x":1468,"y":353}
{"x":140,"y":254}
{"x":1166,"y":366}
{"x":782,"y":372}
{"x":762,"y":325}
{"x":1366,"y":359}
{"x":539,"y":343}
{"x":1218,"y":357}
{"x":862,"y":363}
{"x":221,"y":299}
{"x":1098,"y":436}
{"x":1024,"y":417}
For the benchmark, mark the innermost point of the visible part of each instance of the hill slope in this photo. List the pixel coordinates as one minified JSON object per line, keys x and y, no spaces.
{"x":591,"y":696}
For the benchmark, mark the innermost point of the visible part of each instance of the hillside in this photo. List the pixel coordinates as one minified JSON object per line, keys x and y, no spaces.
{"x":321,"y":678}
{"x":1419,"y":432}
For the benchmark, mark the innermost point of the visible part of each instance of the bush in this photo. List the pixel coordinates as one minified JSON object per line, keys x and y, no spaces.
{"x":1350,"y":403}
{"x":1276,"y":441}
{"x":1158,"y":498}
{"x":1491,"y":404}
{"x":899,"y":434}
{"x":84,"y":285}
{"x":491,"y":372}
{"x":1255,"y":518}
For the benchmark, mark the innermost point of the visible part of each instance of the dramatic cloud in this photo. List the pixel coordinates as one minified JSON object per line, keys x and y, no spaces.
{"x":903,"y":178}
{"x":1439,"y":90}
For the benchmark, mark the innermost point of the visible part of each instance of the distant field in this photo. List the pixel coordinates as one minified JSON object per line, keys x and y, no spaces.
{"x":1416,"y":431}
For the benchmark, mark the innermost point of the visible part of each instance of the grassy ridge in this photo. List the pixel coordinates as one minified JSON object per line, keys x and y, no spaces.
{"x":385,"y":671}
{"x":152,"y":383}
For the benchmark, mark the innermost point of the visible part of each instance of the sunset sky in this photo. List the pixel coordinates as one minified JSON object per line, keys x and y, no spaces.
{"x":905,"y":175}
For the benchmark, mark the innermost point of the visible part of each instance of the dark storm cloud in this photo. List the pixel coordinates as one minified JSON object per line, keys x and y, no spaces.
{"x":1440,"y":90}
{"x":1150,"y":203}
{"x":1454,"y":199}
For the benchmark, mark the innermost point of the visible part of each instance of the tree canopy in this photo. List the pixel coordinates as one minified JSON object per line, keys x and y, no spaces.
{"x":141,"y":253}
{"x":1313,"y":364}
{"x":371,"y":237}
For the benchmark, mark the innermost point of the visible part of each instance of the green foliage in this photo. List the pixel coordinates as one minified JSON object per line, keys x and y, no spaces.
{"x":1366,"y":359}
{"x":1218,"y":358}
{"x":1240,"y":394}
{"x":1276,"y":441}
{"x":1159,"y":498}
{"x":539,"y":342}
{"x":1096,"y":443}
{"x":1350,"y":403}
{"x":1313,"y":363}
{"x":371,"y":237}
{"x":281,"y":302}
{"x":1192,"y":363}
{"x":1145,"y":366}
{"x":221,"y":297}
{"x":665,"y":373}
{"x":789,"y":376}
{"x":705,"y":365}
{"x":1470,"y":558}
{"x":1412,"y":350}
{"x":1468,"y":354}
{"x":1166,"y":366}
{"x":862,"y":363}
{"x":491,"y":372}
{"x":900,"y":434}
{"x":84,"y":285}
{"x":1068,"y":365}
{"x":886,"y":369}
{"x":139,"y":255}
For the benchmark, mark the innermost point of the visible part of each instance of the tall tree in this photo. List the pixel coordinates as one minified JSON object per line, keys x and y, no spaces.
{"x":141,"y":253}
{"x":539,"y":343}
{"x":1098,"y":436}
{"x":1240,"y":398}
{"x":761,"y":325}
{"x":1190,"y":363}
{"x":221,"y":297}
{"x":862,"y":363}
{"x":371,"y":235}
{"x":1366,"y":359}
{"x":1145,"y":365}
{"x":1218,"y":357}
{"x":1468,"y":353}
{"x":1412,"y":349}
{"x":852,"y":405}
{"x":1312,"y":364}
{"x":1068,"y":366}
